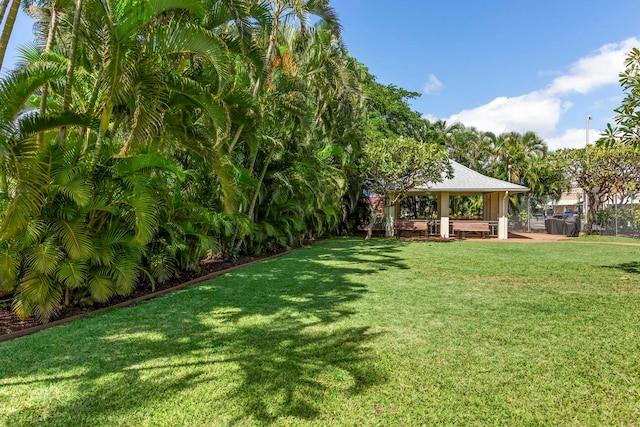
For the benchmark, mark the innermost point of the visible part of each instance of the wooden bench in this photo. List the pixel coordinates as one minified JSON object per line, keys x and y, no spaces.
{"x":412,"y":226}
{"x":470,"y":226}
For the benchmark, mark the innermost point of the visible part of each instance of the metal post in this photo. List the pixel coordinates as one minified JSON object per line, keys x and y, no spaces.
{"x":586,"y":197}
{"x":616,"y":213}
{"x":529,"y":213}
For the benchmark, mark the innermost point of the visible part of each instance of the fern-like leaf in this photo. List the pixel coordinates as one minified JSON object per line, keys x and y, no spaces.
{"x":75,"y":239}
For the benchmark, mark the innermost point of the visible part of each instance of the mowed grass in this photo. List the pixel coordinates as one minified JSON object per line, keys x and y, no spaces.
{"x":609,"y":239}
{"x":349,"y":332}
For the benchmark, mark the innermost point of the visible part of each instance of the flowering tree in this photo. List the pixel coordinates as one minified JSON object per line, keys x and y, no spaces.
{"x":393,"y":166}
{"x":628,"y":113}
{"x":608,"y":173}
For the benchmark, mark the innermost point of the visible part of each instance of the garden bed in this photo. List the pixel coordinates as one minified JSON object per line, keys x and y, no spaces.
{"x":11,"y":326}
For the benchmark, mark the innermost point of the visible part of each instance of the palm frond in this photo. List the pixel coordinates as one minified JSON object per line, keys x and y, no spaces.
{"x":72,"y":274}
{"x":147,"y":163}
{"x":106,"y":243}
{"x":77,"y":190}
{"x":100,"y":285}
{"x":39,"y":294}
{"x":42,"y":258}
{"x":34,"y":232}
{"x":10,"y":260}
{"x":145,"y":218}
{"x":34,"y":123}
{"x":130,"y":16}
{"x":162,"y":268}
{"x":192,"y":40}
{"x":74,"y":238}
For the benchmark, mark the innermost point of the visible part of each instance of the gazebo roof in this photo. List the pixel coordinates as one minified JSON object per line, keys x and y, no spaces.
{"x":466,"y":180}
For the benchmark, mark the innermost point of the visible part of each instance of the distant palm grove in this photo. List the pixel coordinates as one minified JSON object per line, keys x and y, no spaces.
{"x":138,"y":137}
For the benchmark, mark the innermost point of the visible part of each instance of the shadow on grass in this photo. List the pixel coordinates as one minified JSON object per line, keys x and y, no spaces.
{"x":627,"y":267}
{"x":261,"y":343}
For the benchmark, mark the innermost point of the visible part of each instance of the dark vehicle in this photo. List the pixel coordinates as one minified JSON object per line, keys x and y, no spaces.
{"x":568,"y":215}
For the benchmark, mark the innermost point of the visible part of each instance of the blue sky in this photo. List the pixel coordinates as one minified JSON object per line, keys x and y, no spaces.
{"x":498,"y":65}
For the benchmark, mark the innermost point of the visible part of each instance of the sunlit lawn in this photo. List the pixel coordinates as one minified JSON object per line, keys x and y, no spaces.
{"x":352,"y":333}
{"x":609,"y":239}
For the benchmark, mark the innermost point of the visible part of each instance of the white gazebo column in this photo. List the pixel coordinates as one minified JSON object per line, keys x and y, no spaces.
{"x":443,"y":201}
{"x":503,"y":212}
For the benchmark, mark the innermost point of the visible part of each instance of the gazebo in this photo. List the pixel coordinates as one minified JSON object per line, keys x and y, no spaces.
{"x":465,"y":182}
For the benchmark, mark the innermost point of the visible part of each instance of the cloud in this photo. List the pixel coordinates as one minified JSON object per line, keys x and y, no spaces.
{"x":432,"y":118}
{"x":547,"y":73}
{"x":573,"y":138}
{"x":541,"y":111}
{"x":609,"y":103}
{"x":433,"y":86}
{"x":592,"y":72}
{"x":533,"y":111}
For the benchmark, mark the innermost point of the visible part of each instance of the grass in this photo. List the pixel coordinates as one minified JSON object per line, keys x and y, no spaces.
{"x":350,"y":332}
{"x":609,"y":239}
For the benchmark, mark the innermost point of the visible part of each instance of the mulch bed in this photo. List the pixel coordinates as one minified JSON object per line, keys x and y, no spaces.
{"x":10,"y":324}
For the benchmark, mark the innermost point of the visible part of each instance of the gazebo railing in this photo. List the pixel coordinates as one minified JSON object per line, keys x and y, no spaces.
{"x":433,"y":228}
{"x":493,"y":228}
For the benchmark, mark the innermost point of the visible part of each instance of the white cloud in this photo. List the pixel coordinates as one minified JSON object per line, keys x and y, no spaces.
{"x":431,"y":118}
{"x":592,"y":72}
{"x":533,"y":111}
{"x":541,"y":111}
{"x":573,"y":138}
{"x":609,"y":103}
{"x":547,"y":73}
{"x":433,"y":86}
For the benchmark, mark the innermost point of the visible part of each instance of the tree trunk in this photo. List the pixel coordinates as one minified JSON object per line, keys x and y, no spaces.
{"x":66,"y":100}
{"x":267,"y":64}
{"x":3,"y":175}
{"x":45,"y":89}
{"x":3,"y":8}
{"x":254,"y":200}
{"x":8,"y":27}
{"x":372,"y":221}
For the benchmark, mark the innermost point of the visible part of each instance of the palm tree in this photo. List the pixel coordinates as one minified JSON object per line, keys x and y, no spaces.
{"x":287,"y":12}
{"x":516,"y":150}
{"x":281,"y":103}
{"x":78,"y":220}
{"x":185,"y":127}
{"x":8,"y":25}
{"x":3,"y":8}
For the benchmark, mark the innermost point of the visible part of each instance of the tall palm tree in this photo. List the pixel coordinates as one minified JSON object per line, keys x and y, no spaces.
{"x":8,"y":25}
{"x":513,"y":154}
{"x":290,"y":13}
{"x":3,"y":8}
{"x":186,"y":124}
{"x":78,"y":220}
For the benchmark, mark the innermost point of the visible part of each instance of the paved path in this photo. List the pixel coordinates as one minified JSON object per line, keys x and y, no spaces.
{"x":524,"y":237}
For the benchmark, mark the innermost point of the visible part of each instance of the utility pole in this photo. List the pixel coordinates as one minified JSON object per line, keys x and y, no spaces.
{"x":586,"y":191}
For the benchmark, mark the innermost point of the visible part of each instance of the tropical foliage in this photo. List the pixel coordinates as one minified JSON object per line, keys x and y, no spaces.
{"x":627,"y":129}
{"x":608,"y":173}
{"x":138,"y":137}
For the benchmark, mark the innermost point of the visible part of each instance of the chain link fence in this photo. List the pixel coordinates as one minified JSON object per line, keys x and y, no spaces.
{"x":526,"y":214}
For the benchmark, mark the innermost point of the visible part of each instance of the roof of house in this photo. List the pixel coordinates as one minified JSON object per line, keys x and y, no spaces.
{"x":466,"y":180}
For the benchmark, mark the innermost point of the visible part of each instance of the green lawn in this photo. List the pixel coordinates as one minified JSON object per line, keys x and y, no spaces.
{"x":610,"y":239}
{"x":349,"y":332}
